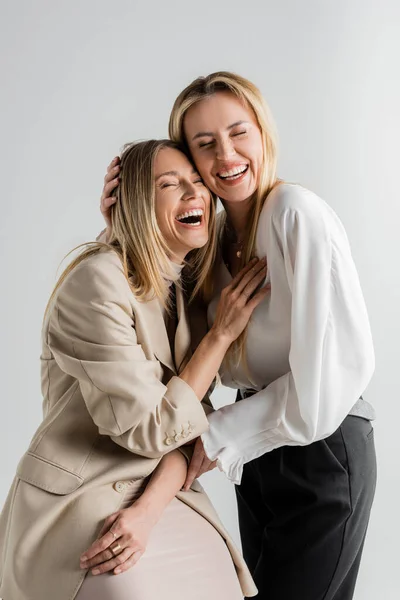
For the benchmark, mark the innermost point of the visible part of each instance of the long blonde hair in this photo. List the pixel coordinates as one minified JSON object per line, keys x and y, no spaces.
{"x":247,"y":92}
{"x":136,"y":236}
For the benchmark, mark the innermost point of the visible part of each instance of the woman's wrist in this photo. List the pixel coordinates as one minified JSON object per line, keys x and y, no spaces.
{"x":150,"y":506}
{"x":165,"y":483}
{"x":219,"y":337}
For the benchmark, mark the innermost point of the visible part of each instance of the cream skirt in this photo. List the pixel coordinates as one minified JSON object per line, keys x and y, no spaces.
{"x":185,"y":559}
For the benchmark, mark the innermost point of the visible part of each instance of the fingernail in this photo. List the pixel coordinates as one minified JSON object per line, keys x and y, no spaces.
{"x":117,"y":571}
{"x":83,"y":558}
{"x":95,"y":571}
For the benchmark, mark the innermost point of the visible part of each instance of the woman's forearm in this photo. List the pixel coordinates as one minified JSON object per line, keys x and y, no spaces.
{"x":166,"y":481}
{"x":201,"y":369}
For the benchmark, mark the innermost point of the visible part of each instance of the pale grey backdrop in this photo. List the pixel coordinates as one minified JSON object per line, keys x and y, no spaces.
{"x":80,"y":78}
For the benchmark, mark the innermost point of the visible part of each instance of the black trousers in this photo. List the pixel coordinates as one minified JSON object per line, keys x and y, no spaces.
{"x":303,"y":515}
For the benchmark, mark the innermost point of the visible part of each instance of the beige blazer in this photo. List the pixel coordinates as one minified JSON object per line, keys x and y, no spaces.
{"x":113,"y":406}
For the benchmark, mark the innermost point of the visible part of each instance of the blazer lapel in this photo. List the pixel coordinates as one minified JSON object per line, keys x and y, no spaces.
{"x":182,"y":335}
{"x":154,"y":323}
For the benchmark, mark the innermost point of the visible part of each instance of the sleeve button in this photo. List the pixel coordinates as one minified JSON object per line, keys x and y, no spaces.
{"x":119,"y":486}
{"x":168,"y":441}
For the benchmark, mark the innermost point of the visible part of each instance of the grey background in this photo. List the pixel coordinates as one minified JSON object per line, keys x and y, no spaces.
{"x":81,"y":78}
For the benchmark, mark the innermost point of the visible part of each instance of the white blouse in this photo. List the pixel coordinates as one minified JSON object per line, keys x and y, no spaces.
{"x":309,"y":347}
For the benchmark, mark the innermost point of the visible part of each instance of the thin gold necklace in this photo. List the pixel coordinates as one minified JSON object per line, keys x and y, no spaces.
{"x":230,"y":234}
{"x":240,"y":249}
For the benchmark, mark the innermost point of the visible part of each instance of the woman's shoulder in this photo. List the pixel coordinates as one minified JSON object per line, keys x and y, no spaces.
{"x":292,"y":197}
{"x":296,"y":202}
{"x":98,"y":274}
{"x":289,"y":205}
{"x":106,"y":261}
{"x":103,"y":259}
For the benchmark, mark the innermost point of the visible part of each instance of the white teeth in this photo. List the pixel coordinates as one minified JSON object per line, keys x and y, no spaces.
{"x":197,"y":212}
{"x":233,"y":172}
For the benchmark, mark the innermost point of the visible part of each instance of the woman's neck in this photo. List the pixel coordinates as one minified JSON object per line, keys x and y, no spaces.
{"x":237,"y":214}
{"x":174,"y":273}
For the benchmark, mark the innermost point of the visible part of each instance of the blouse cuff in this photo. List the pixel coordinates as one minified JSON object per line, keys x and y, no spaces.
{"x":231,"y":458}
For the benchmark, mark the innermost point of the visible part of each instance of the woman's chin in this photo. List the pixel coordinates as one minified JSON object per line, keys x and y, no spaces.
{"x":188,"y":245}
{"x":200,"y":242}
{"x":194,"y":236}
{"x":197,"y":242}
{"x":238,"y":193}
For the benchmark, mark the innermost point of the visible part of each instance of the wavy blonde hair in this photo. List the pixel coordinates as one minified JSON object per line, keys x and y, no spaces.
{"x":200,"y":89}
{"x":136,"y":236}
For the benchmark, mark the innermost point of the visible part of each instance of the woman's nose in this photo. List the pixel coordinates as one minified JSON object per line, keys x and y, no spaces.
{"x":225,"y":149}
{"x":191,"y":191}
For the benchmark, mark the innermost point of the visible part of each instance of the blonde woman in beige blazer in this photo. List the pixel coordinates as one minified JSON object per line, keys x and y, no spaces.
{"x":121,"y":394}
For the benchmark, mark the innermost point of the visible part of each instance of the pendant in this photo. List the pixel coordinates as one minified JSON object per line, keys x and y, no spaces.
{"x":239,"y":253}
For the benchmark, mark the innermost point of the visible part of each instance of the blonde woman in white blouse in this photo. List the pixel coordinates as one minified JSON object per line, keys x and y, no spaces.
{"x":299,"y":444}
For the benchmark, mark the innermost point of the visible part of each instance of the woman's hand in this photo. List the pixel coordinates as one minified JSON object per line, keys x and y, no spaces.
{"x":237,"y":302}
{"x":121,"y":541}
{"x":239,"y":299}
{"x":199,"y":464}
{"x":111,"y":181}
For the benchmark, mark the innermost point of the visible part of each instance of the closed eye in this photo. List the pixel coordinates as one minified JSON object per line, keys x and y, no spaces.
{"x":239,"y":133}
{"x":205,"y":144}
{"x":168,"y":184}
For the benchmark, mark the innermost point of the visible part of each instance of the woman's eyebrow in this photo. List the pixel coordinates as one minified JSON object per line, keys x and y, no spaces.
{"x":210,"y":133}
{"x":236,"y":124}
{"x":173,"y":173}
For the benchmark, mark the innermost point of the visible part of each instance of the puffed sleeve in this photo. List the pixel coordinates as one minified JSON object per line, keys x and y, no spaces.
{"x":331,"y":352}
{"x":92,"y":336}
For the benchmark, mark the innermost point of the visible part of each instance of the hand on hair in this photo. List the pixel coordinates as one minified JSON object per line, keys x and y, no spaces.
{"x":111,"y":181}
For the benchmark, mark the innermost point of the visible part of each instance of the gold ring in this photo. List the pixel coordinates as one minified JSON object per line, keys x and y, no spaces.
{"x":116,"y":549}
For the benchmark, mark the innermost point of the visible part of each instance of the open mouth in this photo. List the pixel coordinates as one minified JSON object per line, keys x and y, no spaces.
{"x":191,"y":218}
{"x":232,"y":174}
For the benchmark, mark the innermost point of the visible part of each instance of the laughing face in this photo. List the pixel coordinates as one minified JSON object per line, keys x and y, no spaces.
{"x":226,"y":144}
{"x":182,"y":203}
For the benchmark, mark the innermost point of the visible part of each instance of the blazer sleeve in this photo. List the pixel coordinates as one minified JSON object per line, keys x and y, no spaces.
{"x":331,"y":352}
{"x":92,"y":337}
{"x":187,"y":451}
